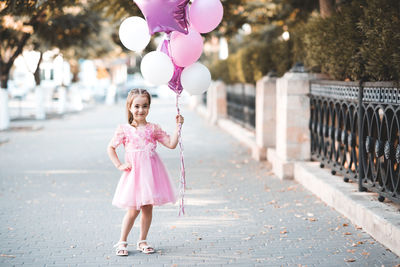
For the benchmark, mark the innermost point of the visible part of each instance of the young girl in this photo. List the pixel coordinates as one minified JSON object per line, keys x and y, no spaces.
{"x":144,"y":181}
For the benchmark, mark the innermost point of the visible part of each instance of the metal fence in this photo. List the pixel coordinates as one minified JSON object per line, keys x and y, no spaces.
{"x":355,"y":132}
{"x":241,"y":102}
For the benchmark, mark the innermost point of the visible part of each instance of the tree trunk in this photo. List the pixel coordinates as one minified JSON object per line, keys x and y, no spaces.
{"x":36,"y":74}
{"x":5,"y":67}
{"x":4,"y":80}
{"x":74,"y":65}
{"x":326,"y":8}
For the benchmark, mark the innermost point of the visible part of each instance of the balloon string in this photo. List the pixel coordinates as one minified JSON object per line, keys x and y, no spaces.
{"x":182,"y":184}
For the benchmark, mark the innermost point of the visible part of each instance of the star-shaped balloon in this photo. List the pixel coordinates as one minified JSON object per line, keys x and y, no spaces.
{"x":165,"y":15}
{"x":175,"y":83}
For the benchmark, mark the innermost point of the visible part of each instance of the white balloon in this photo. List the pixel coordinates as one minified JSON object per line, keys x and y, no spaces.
{"x":196,"y":79}
{"x":134,"y":33}
{"x":157,"y":68}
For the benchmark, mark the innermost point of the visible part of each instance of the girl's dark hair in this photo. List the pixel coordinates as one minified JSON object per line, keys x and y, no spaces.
{"x":131,"y":96}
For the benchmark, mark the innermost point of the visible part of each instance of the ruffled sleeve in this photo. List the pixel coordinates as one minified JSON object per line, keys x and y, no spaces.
{"x":119,"y":137}
{"x":160,"y":135}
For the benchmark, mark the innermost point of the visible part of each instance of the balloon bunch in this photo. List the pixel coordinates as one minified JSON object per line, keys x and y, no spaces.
{"x":175,"y":60}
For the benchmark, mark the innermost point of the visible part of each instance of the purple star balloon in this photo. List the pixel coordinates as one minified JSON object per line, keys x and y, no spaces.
{"x":175,"y":83}
{"x":165,"y":15}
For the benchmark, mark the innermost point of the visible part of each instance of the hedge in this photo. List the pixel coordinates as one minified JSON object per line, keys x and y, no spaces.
{"x":360,"y":41}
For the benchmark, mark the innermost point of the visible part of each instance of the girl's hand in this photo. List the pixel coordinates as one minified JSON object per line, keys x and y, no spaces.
{"x":125,"y":167}
{"x":179,"y":119}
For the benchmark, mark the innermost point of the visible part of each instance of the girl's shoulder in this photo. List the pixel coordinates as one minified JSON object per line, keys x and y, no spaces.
{"x":154,"y":126}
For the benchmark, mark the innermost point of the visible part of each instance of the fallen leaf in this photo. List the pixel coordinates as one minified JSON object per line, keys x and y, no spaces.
{"x":173,"y":227}
{"x":350,"y":260}
{"x":345,"y":225}
{"x":347,"y":233}
{"x":283,"y":232}
{"x":351,"y":250}
{"x":366,"y":254}
{"x":7,"y":256}
{"x":309,"y":214}
{"x":312,"y":219}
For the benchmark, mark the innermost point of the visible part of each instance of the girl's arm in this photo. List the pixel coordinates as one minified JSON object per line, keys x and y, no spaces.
{"x":115,"y":160}
{"x":173,"y":141}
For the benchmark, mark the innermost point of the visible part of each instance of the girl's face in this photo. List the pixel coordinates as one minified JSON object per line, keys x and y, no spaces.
{"x":140,"y":108}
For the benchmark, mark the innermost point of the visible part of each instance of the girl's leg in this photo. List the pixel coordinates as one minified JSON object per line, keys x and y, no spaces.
{"x":145,"y":222}
{"x":127,"y":223}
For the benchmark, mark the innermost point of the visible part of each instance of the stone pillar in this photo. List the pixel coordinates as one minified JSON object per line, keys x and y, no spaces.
{"x":4,"y":115}
{"x":292,"y":117}
{"x":195,"y":101}
{"x":62,"y":100}
{"x":217,"y":102}
{"x":265,"y":116}
{"x":40,"y":97}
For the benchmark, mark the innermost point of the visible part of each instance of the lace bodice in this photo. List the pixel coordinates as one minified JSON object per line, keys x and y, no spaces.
{"x":143,"y":138}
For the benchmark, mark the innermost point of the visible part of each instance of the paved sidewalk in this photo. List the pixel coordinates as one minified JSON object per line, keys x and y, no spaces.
{"x":56,"y":186}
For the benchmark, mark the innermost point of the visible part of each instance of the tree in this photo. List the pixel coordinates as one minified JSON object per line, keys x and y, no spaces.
{"x":42,"y":24}
{"x":326,"y":8}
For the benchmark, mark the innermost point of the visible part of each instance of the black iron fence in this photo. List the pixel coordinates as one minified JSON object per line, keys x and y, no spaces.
{"x":241,"y":102}
{"x":355,"y":132}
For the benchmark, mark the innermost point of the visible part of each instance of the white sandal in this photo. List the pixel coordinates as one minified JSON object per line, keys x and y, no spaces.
{"x":146,"y":249}
{"x":120,"y":248}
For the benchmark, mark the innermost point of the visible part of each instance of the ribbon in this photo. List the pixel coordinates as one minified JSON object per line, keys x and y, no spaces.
{"x":176,"y":86}
{"x":182,"y":184}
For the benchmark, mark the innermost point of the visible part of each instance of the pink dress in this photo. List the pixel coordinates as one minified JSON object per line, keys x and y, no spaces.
{"x":147,"y":182}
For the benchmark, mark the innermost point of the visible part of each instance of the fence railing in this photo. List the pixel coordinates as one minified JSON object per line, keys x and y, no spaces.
{"x":241,"y":104}
{"x":355,"y":132}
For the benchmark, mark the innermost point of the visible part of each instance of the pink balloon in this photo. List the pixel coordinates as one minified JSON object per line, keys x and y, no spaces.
{"x":186,"y":49}
{"x":205,"y":15}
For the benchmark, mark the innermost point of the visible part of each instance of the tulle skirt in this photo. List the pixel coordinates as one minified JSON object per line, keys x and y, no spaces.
{"x":147,"y":183}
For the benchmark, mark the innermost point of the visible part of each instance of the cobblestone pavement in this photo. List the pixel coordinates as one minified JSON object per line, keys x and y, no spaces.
{"x":56,"y":186}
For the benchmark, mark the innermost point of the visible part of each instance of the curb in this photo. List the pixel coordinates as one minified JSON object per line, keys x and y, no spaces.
{"x":380,"y":220}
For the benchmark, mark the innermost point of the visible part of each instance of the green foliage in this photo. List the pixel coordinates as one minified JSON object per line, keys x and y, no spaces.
{"x":360,"y":41}
{"x":116,"y":10}
{"x":250,"y":63}
{"x":380,"y":50}
{"x":68,"y":30}
{"x":219,"y":70}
